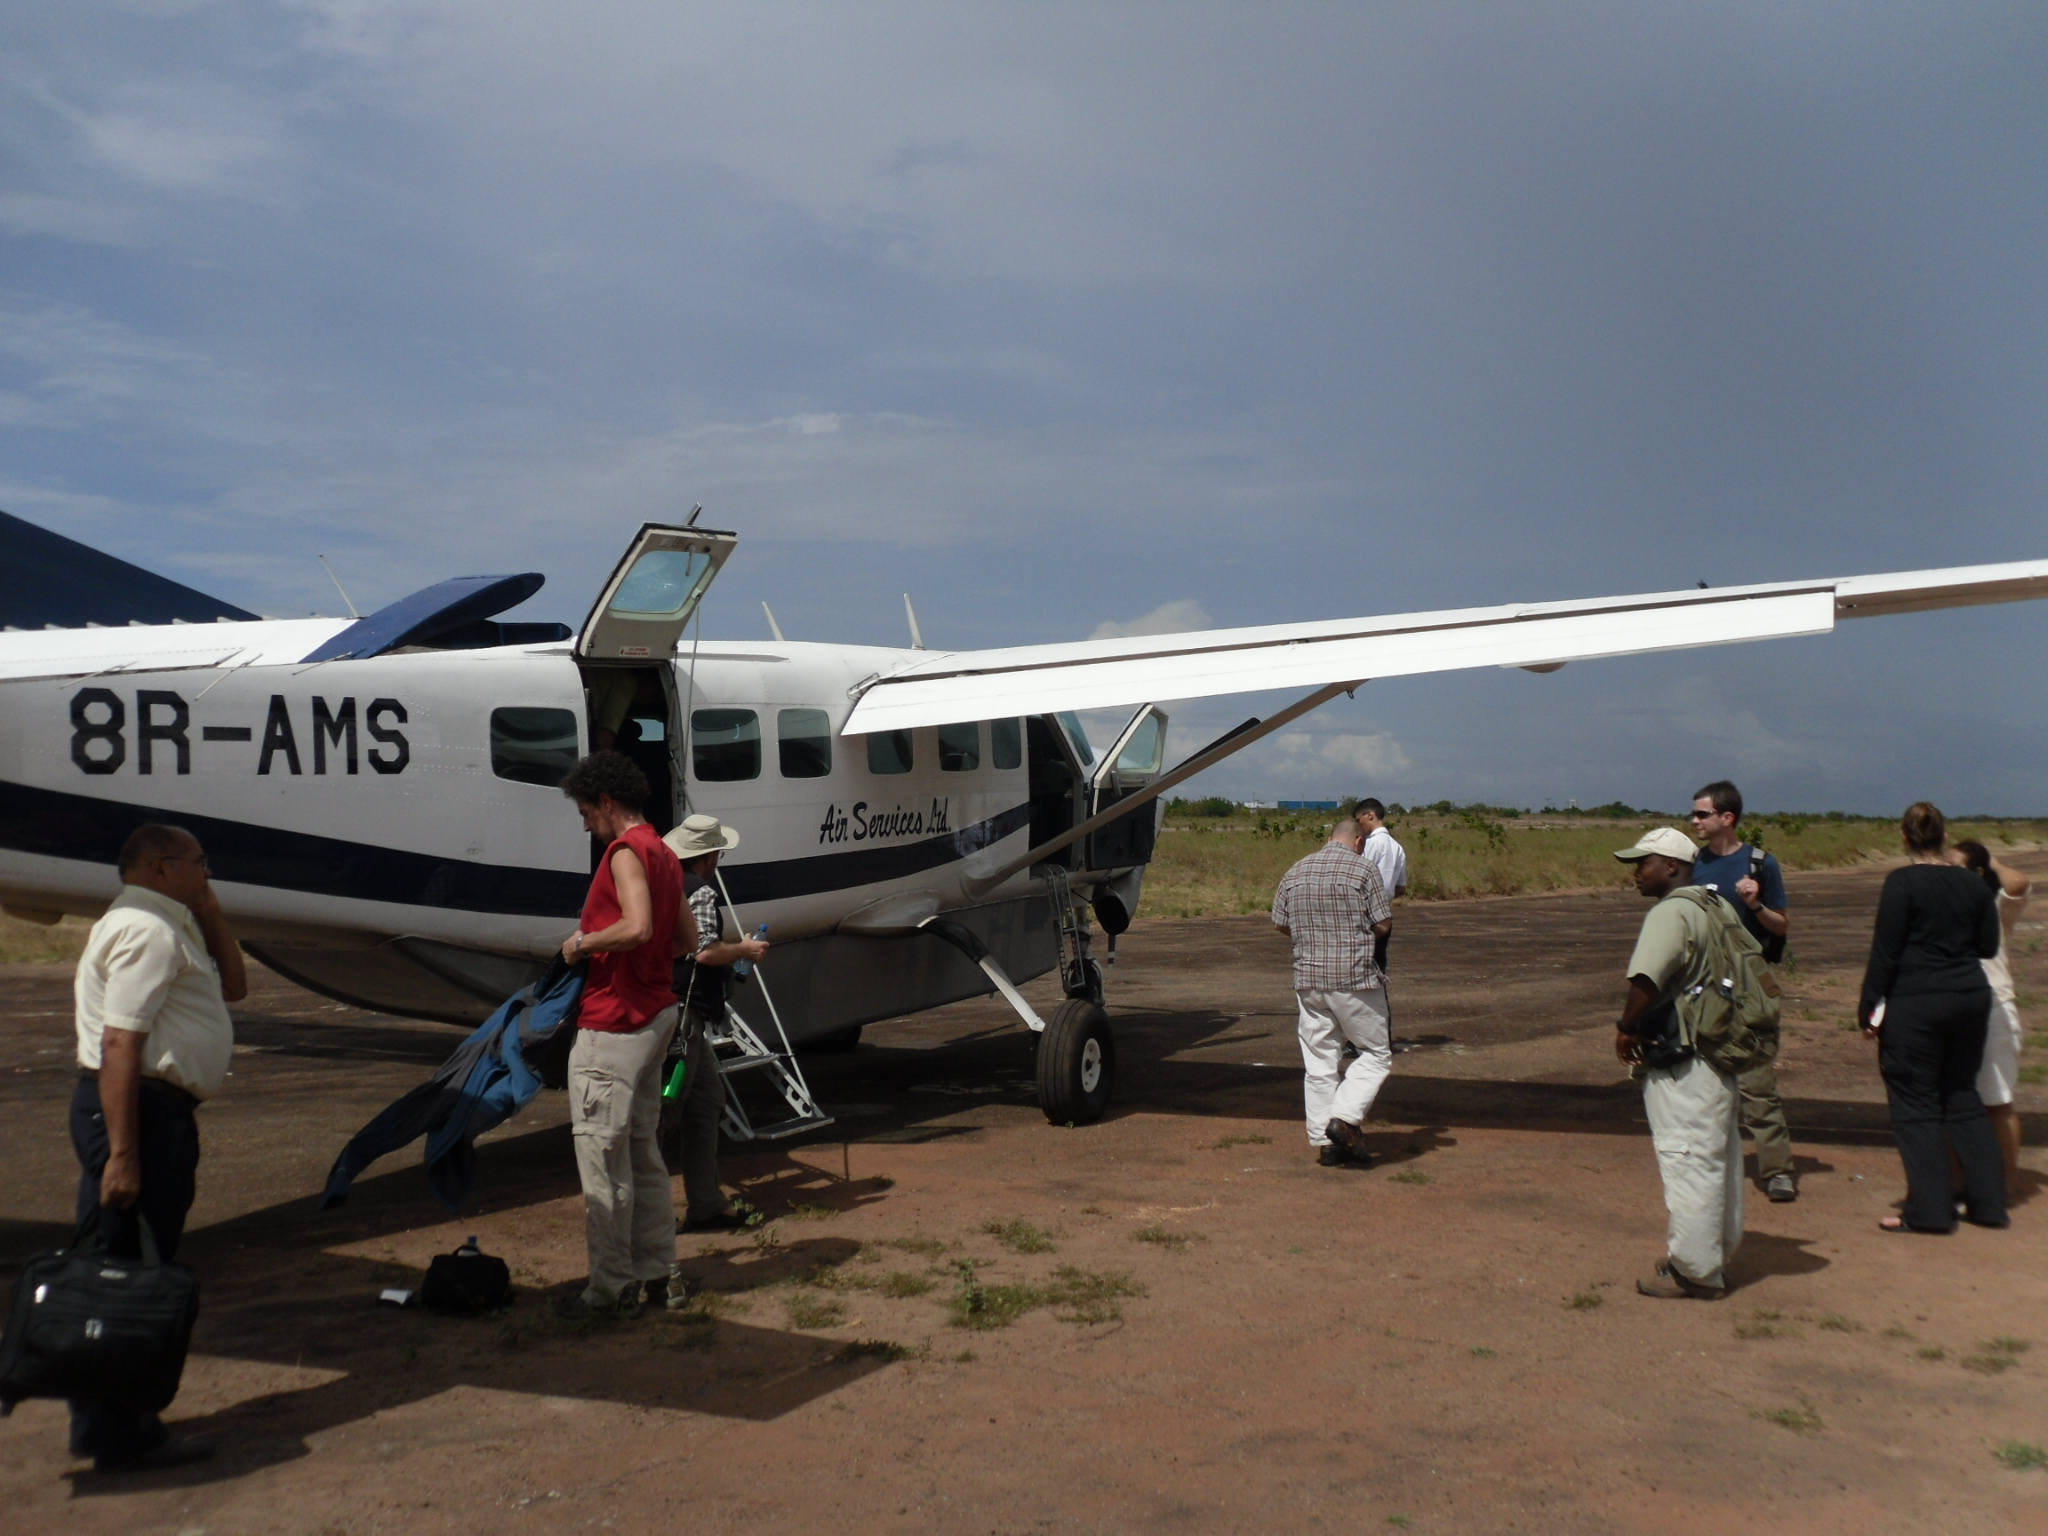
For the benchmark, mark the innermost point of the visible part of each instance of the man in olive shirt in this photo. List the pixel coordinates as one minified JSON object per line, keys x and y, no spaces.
{"x":154,"y":1039}
{"x":1693,"y":1107}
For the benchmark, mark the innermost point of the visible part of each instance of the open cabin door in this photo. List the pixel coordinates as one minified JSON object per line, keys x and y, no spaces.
{"x":653,"y":594}
{"x":1134,"y":760}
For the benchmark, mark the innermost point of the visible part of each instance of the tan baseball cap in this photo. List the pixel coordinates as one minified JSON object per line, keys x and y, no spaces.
{"x":1669,"y":841}
{"x":699,"y":835}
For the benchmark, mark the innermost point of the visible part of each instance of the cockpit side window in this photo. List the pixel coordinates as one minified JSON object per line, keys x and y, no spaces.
{"x":1006,"y":743}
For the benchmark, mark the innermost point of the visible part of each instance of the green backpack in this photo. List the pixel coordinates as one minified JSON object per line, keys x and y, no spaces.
{"x":1732,"y":1020}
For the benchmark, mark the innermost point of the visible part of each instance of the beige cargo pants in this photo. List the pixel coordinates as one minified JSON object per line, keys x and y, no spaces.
{"x":629,"y":1204}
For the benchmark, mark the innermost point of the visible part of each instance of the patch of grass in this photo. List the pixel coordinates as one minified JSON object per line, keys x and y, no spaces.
{"x":809,"y":1212}
{"x":2006,"y":1346}
{"x":1162,"y":1237}
{"x":1584,"y":1301}
{"x":900,"y":1283}
{"x":25,"y":943}
{"x":808,"y":1311}
{"x":976,"y":1305}
{"x":2021,"y":1456}
{"x":1764,"y":1324}
{"x":965,"y":1357}
{"x":767,"y":1240}
{"x":1933,"y":1352}
{"x":1021,"y":1236}
{"x":1090,"y":1296}
{"x":929,"y":1247}
{"x":1988,"y":1364}
{"x":1410,"y":1176}
{"x":1898,"y":1331}
{"x":1834,"y":1322}
{"x":1801,"y":1420}
{"x":1403,"y":1521}
{"x":1242,"y":1141}
{"x":2034,"y":1072}
{"x":1093,"y":1210}
{"x":1482,"y":1352}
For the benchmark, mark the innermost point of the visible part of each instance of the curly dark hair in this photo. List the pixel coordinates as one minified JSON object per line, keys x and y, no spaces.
{"x":608,"y":773}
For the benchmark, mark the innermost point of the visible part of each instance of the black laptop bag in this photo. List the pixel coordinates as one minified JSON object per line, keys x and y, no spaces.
{"x":467,"y":1282}
{"x":97,"y":1329}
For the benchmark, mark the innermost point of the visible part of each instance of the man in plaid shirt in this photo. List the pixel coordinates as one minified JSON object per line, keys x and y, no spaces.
{"x":1333,"y":906}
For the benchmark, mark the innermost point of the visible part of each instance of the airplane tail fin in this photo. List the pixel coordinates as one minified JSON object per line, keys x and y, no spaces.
{"x":47,"y":580}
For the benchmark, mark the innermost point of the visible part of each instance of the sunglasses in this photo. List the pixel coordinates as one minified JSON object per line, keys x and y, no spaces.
{"x":1703,"y":815}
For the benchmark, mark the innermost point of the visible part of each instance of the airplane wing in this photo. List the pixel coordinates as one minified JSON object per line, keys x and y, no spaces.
{"x":1099,"y":674}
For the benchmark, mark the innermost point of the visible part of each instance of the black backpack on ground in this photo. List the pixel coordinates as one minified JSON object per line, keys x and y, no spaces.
{"x":97,"y":1329}
{"x":467,"y":1282}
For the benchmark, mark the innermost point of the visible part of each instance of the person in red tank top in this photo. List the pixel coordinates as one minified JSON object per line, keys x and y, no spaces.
{"x":634,"y":924}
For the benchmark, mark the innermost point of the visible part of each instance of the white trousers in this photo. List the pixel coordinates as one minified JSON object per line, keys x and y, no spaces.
{"x":2000,"y":1075}
{"x":1328,"y":1019}
{"x":629,"y":1205}
{"x":1696,"y":1125}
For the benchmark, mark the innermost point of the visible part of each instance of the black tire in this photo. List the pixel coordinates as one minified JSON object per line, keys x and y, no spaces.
{"x":834,"y":1044}
{"x":1076,"y":1064}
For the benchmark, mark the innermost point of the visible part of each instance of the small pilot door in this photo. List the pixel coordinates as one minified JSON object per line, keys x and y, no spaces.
{"x":1134,"y":760}
{"x":653,"y":594}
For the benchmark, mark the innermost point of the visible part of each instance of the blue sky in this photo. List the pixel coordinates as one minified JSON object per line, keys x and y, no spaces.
{"x":1064,"y":316}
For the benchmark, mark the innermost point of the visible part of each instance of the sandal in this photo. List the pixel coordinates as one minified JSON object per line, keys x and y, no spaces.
{"x":1894,"y":1225}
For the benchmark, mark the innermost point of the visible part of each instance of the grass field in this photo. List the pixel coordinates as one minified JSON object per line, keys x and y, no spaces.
{"x":32,"y":944}
{"x":1211,"y":865}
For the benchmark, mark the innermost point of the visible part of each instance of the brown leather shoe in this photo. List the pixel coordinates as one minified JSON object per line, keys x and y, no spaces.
{"x":1667,"y":1284}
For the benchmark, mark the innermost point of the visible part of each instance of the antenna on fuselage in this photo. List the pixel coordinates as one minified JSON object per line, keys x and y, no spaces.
{"x":916,"y":634}
{"x":774,"y":628}
{"x":352,"y":613}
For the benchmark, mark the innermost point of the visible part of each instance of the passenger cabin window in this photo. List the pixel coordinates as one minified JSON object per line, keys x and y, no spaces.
{"x":959,"y":747}
{"x":805,"y":739}
{"x":889,"y":752}
{"x":533,"y":746}
{"x":725,"y":745}
{"x":1006,"y":743}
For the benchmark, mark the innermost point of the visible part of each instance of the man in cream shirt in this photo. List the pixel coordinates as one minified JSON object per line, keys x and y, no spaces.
{"x":154,"y":1039}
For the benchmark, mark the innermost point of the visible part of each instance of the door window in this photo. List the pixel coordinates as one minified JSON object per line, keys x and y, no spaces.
{"x":1142,"y":753}
{"x":889,"y":752}
{"x":662,"y":583}
{"x":1077,"y":737}
{"x":533,"y":746}
{"x":725,"y":745}
{"x":804,"y":737}
{"x":1006,"y":743}
{"x":960,"y":747}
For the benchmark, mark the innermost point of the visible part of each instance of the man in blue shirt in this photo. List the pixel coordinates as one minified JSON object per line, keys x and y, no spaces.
{"x":1752,"y":883}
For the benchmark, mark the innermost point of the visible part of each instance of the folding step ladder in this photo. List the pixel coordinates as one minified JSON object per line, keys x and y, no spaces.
{"x":745,"y":1058}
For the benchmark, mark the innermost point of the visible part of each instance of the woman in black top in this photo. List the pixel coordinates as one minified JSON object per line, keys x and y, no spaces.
{"x":1935,"y":923}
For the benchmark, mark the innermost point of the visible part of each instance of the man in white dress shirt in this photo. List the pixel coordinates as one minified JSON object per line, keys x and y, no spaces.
{"x":154,"y":1039}
{"x":1387,"y":856}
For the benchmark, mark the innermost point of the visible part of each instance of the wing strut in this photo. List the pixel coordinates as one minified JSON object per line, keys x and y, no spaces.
{"x":979,"y":882}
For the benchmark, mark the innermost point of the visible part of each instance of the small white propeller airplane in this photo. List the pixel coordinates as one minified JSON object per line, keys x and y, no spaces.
{"x":378,"y":795}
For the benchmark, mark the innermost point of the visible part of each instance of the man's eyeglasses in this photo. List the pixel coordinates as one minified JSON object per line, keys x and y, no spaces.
{"x":1703,"y":815}
{"x":191,"y":858}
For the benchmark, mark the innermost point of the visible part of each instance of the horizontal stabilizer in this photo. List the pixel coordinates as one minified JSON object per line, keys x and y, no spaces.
{"x":49,"y":581}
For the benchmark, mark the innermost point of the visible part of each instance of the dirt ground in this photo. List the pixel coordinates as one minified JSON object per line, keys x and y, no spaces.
{"x":1217,"y":1335}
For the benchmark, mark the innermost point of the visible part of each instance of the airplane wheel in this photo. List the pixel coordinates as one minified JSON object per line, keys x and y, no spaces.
{"x":1076,"y":1064}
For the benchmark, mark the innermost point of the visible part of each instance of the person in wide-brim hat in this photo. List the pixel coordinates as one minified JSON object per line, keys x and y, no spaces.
{"x":699,"y":835}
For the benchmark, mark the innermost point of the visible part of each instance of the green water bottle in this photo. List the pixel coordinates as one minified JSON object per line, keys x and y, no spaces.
{"x":674,"y":1090}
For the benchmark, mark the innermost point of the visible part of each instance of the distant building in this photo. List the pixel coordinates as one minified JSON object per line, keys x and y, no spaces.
{"x":1307,"y":805}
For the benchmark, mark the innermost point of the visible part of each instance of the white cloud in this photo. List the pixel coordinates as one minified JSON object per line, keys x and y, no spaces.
{"x":1174,"y":618}
{"x":1376,"y":755}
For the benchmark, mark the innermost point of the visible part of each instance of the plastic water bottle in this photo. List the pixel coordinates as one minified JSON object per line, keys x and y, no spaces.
{"x":745,"y":968}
